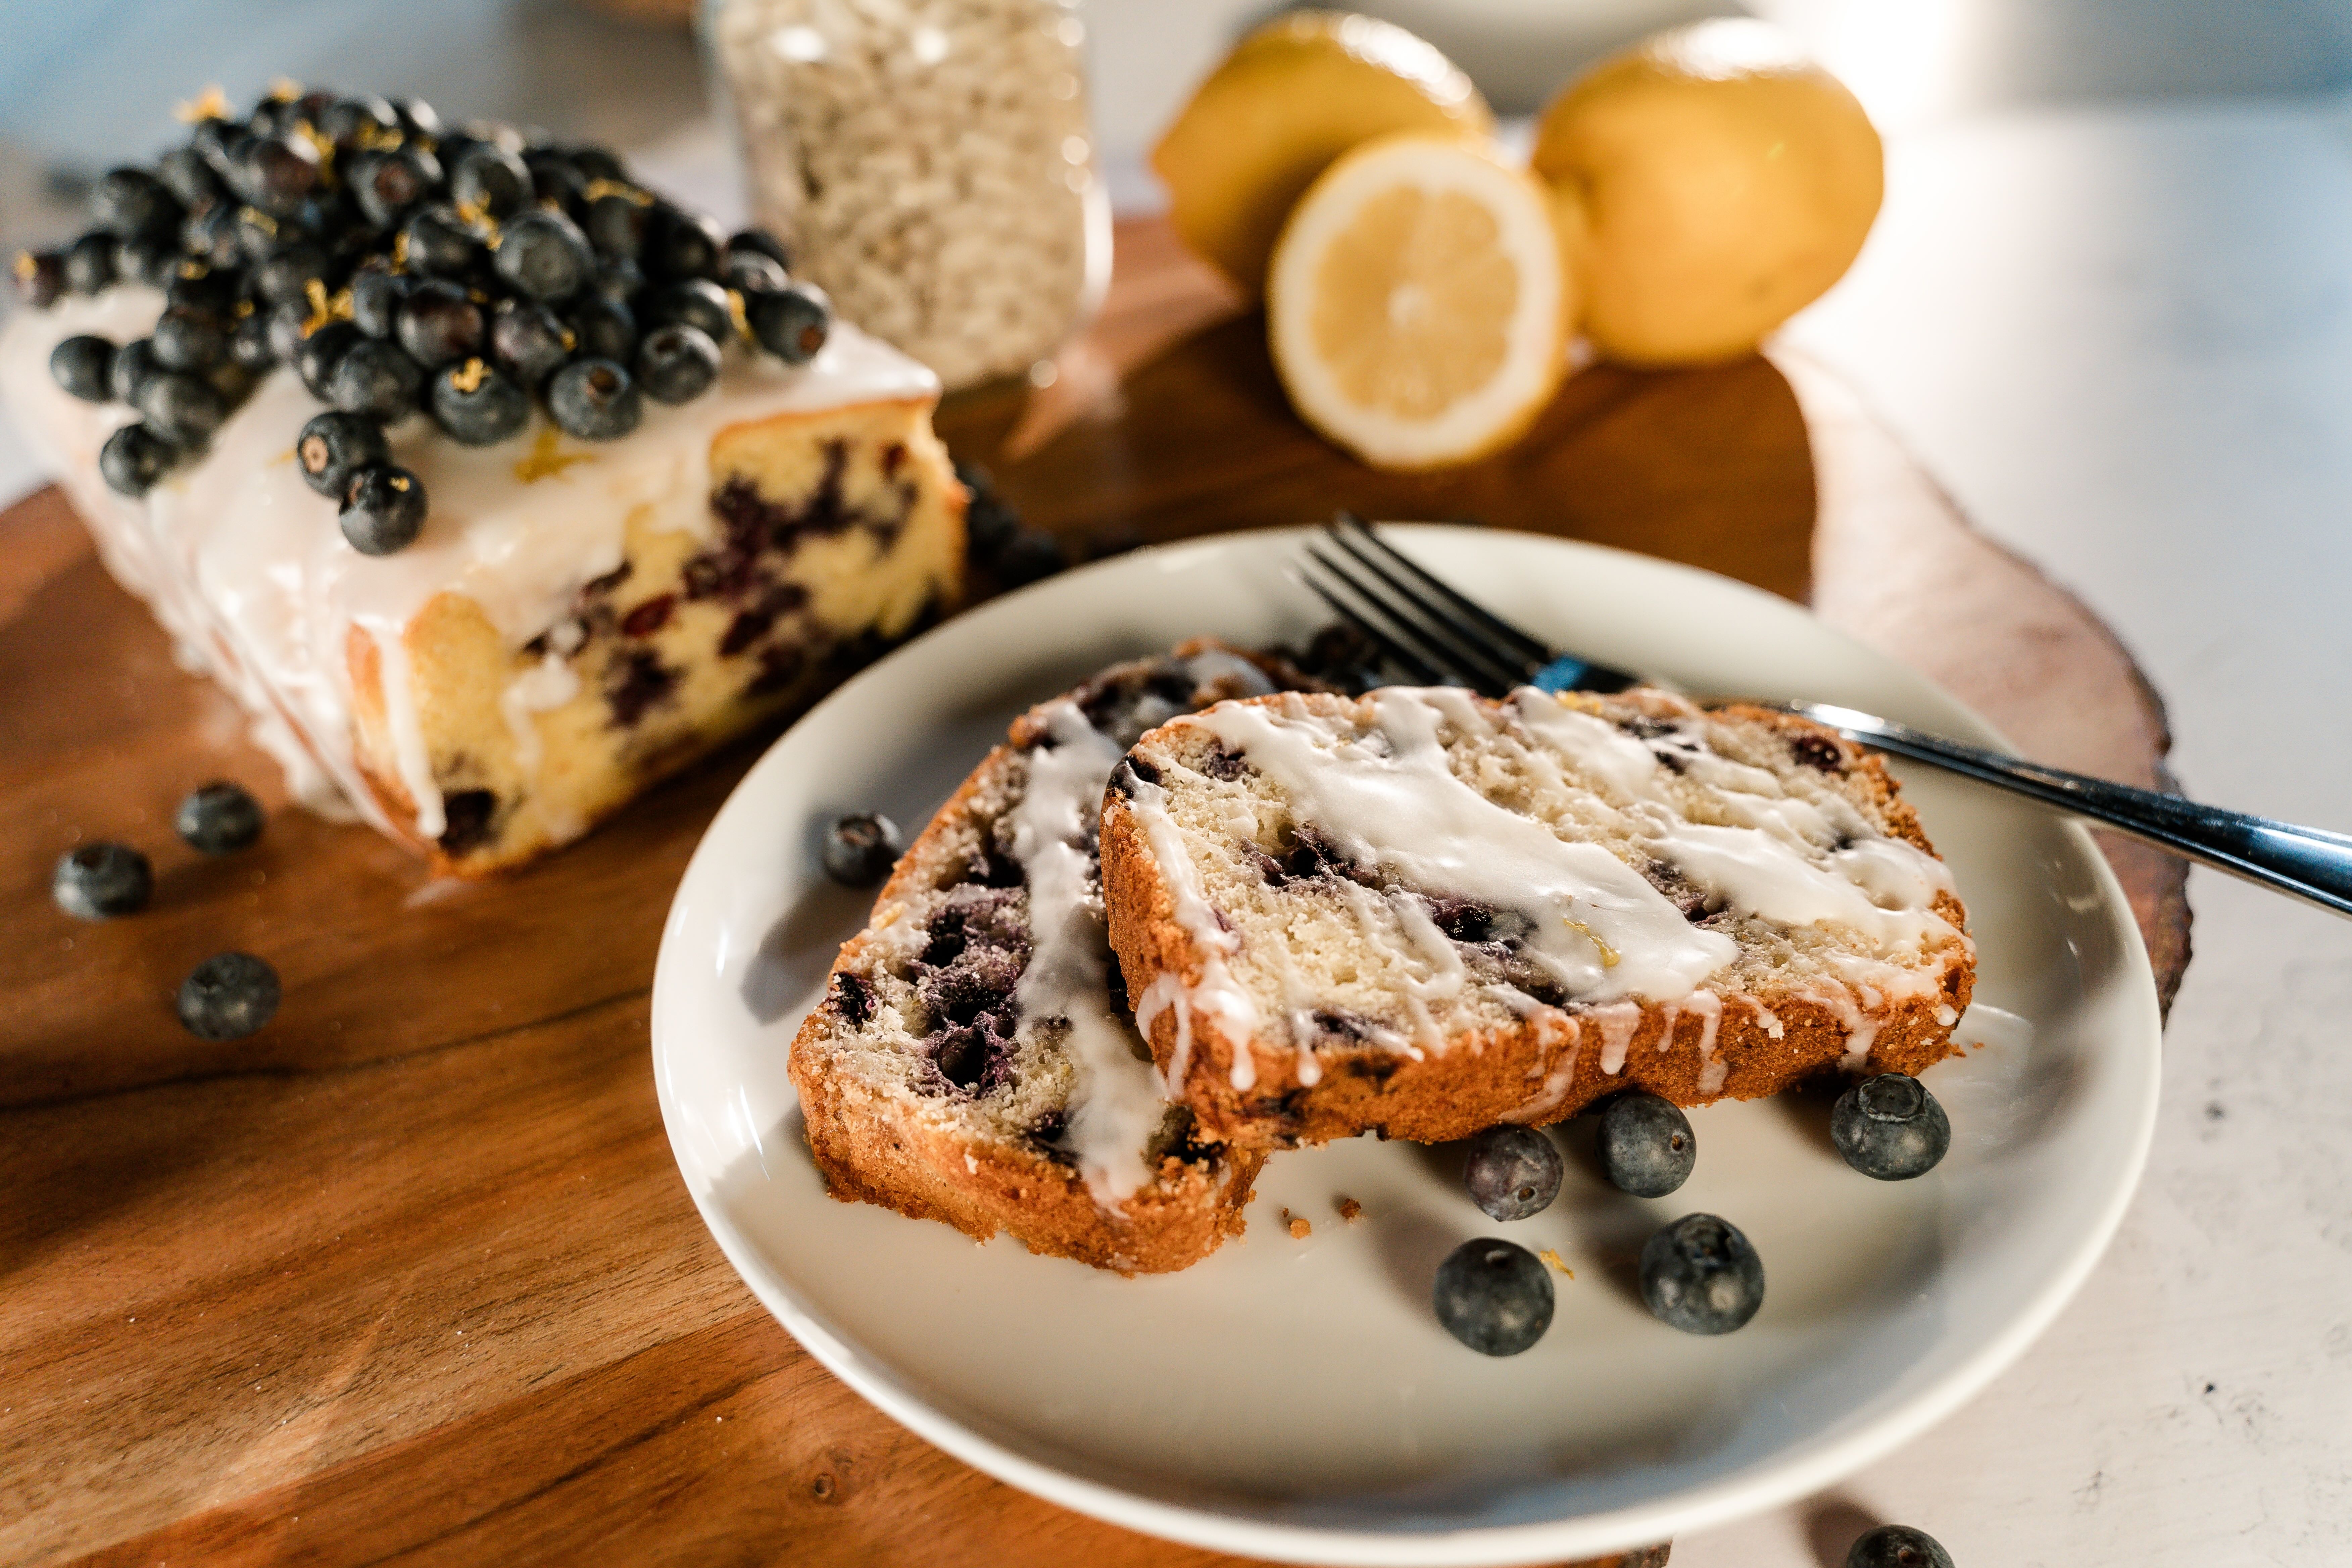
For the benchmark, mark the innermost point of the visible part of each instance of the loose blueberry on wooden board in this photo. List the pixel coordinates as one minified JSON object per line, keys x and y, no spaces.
{"x":1891,"y":1128}
{"x":1647,"y":1147}
{"x":218,"y":818}
{"x":1494,"y":1296}
{"x":860,"y":848}
{"x":1512,"y":1171}
{"x":102,"y":881}
{"x":1897,"y":1546}
{"x":228,"y":996}
{"x":1700,"y":1275}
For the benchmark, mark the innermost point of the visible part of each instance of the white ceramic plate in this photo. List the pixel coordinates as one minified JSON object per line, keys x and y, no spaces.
{"x":1296,"y":1399}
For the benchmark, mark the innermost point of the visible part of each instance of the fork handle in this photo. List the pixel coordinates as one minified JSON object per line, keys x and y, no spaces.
{"x":2309,"y":862}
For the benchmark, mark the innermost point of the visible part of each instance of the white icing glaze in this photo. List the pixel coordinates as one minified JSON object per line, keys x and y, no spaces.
{"x":1116,"y":1103}
{"x":1617,"y":1022}
{"x":1709,"y":1008}
{"x":244,"y":566}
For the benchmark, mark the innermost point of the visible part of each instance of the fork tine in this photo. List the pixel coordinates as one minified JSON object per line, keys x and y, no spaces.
{"x":1486,"y":671}
{"x":1492,"y":651}
{"x":1531,"y":649}
{"x":1421,"y":669}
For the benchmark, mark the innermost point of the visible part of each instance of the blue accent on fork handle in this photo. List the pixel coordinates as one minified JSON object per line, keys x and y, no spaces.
{"x":1560,"y":675}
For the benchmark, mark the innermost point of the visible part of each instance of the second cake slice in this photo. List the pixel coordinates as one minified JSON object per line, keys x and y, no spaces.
{"x":1420,"y":912}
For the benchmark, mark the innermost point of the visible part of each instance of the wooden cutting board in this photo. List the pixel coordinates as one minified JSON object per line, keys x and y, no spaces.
{"x":410,"y":1273}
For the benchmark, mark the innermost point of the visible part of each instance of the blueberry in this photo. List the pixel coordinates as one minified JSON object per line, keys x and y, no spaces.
{"x":90,"y":263}
{"x":616,"y":225}
{"x":258,"y":234}
{"x":135,"y":366}
{"x":760,"y":242}
{"x":147,"y":259}
{"x":595,"y":399}
{"x":1700,"y":1276}
{"x":1890,"y":1127}
{"x":320,"y":351}
{"x":218,"y":818}
{"x":376,"y":297}
{"x":594,"y":163}
{"x":477,"y":404}
{"x":490,"y":179}
{"x":286,"y":326}
{"x":275,"y":172}
{"x":101,"y":881}
{"x":1648,"y":1146}
{"x":184,"y":408}
{"x":1897,"y":1546}
{"x":40,"y":277}
{"x":213,"y":138}
{"x":990,"y":522}
{"x":128,"y":203}
{"x":698,"y":302}
{"x":416,"y":117}
{"x":249,"y":348}
{"x":603,"y":329}
{"x":287,"y":272}
{"x":190,"y":177}
{"x":440,"y":244}
{"x":676,"y":363}
{"x":1512,"y":1171}
{"x":389,"y":184}
{"x":212,"y":235}
{"x":357,"y":123}
{"x":189,"y":339}
{"x":543,"y":255}
{"x":1031,"y":554}
{"x":553,"y":178}
{"x":438,"y":323}
{"x":860,"y":848}
{"x":335,"y":446}
{"x":749,"y":272}
{"x":198,"y":286}
{"x":618,"y":281}
{"x":383,"y":509}
{"x":791,"y":323}
{"x":683,"y":244}
{"x":377,"y":379}
{"x":1493,"y":1296}
{"x":527,"y":340}
{"x":82,"y":366}
{"x":228,"y":996}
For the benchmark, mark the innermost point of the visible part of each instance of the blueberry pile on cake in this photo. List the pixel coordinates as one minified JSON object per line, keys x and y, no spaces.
{"x":493,"y":486}
{"x":1420,"y":912}
{"x":973,"y":1060}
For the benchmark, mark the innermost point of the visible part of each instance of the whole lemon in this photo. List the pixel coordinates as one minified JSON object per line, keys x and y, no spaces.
{"x":1720,"y":181}
{"x":1291,"y":98}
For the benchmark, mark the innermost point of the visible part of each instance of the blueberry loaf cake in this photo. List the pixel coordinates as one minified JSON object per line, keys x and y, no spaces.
{"x":973,"y":1060}
{"x":1421,"y":912}
{"x":492,"y":486}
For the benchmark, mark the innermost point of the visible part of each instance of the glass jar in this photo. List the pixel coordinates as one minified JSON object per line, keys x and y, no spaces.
{"x":928,"y":163}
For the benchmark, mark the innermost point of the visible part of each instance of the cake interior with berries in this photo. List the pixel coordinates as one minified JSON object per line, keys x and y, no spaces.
{"x":1420,"y":912}
{"x":494,"y":487}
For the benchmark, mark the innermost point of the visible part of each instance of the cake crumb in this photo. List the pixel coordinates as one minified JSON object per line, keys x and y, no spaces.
{"x":1552,"y":1257}
{"x":1350,"y":1209}
{"x":1297,"y":1225}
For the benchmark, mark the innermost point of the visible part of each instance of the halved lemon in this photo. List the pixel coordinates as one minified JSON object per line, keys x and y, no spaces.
{"x":1293,"y":95}
{"x":1417,"y":306}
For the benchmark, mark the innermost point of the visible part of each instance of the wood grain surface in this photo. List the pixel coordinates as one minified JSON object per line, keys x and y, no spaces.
{"x":409,"y":1275}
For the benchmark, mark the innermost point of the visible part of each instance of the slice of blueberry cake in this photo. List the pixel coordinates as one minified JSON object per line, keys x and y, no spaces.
{"x":973,"y":1060}
{"x":493,"y":486}
{"x":1420,"y":912}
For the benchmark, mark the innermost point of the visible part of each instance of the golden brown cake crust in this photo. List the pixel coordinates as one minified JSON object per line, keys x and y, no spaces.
{"x":1540,"y":1071}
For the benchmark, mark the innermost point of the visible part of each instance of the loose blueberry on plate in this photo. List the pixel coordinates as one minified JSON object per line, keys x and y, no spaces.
{"x":437,"y":323}
{"x":595,"y":399}
{"x":1647,"y":1147}
{"x":218,"y":818}
{"x":791,"y":323}
{"x":544,"y":256}
{"x":1897,"y":1546}
{"x":860,"y":848}
{"x":102,"y":881}
{"x":676,"y":363}
{"x":335,"y":446}
{"x":90,"y":263}
{"x":228,"y":996}
{"x":1890,"y":1127}
{"x":83,"y":366}
{"x":320,"y":351}
{"x":1512,"y":1171}
{"x":1700,"y":1275}
{"x":383,"y":509}
{"x":478,"y":406}
{"x":529,"y":340}
{"x":1494,"y":1296}
{"x":133,"y":459}
{"x":377,"y":379}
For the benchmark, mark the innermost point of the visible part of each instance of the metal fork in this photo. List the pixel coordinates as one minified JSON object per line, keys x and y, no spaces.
{"x":1438,"y":636}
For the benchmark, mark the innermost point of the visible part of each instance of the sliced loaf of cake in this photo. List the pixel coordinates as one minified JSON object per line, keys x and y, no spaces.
{"x":1420,"y":912}
{"x":973,"y":1060}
